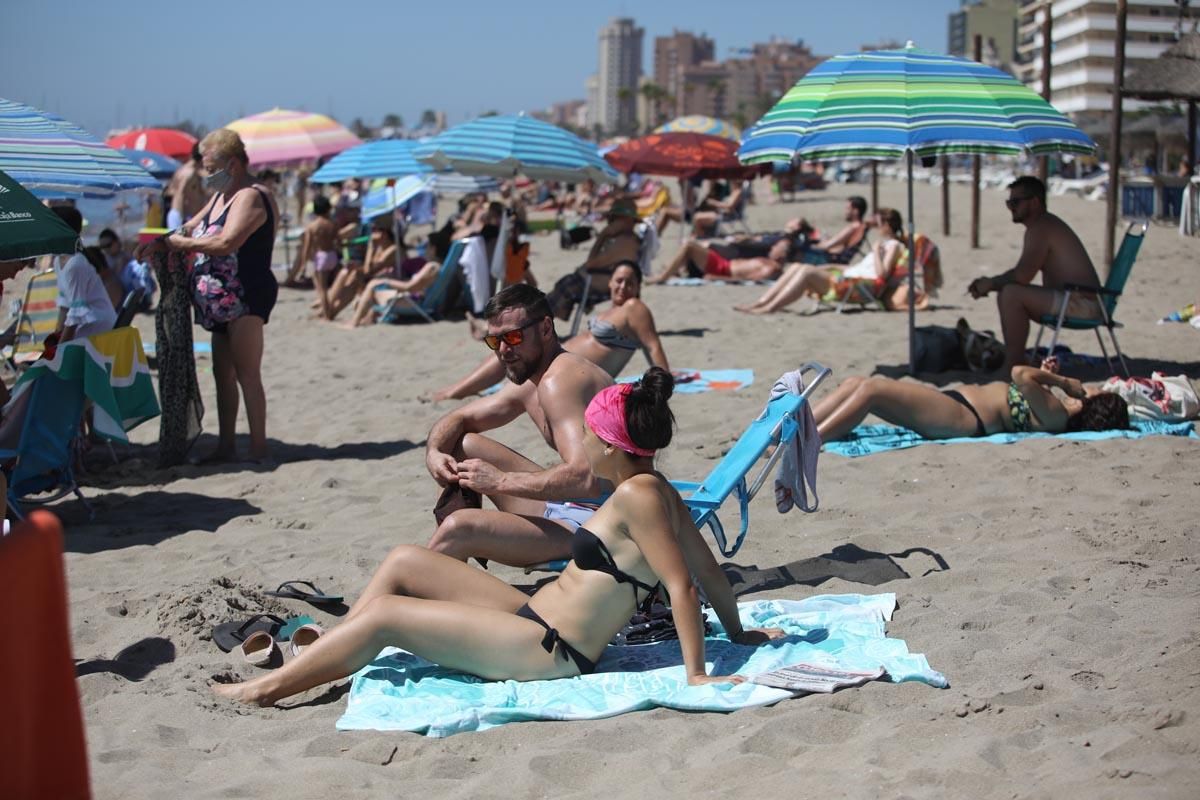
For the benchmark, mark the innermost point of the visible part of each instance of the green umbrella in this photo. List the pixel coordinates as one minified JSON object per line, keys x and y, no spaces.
{"x":28,"y":228}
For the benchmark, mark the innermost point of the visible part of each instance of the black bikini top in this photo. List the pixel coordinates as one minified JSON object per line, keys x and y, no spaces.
{"x":588,"y":552}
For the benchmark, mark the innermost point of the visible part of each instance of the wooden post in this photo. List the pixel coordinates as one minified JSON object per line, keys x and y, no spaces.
{"x":1114,"y":149}
{"x":975,"y":163}
{"x":1191,"y":123}
{"x":945,"y":159}
{"x":874,"y":186}
{"x":1047,"y":26}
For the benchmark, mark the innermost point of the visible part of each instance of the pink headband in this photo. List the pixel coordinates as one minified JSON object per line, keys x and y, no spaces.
{"x":605,"y":415}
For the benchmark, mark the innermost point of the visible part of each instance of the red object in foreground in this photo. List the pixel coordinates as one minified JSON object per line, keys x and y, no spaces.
{"x":168,"y":141}
{"x":42,"y":747}
{"x":682,"y":155}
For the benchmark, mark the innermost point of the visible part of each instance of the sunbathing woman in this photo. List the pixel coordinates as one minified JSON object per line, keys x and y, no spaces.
{"x":381,"y":290}
{"x":441,"y":609}
{"x":1026,"y":404}
{"x":610,"y":340}
{"x":799,"y":280}
{"x":380,"y":260}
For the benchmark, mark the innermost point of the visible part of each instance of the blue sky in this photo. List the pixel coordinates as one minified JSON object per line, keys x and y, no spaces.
{"x":121,"y":63}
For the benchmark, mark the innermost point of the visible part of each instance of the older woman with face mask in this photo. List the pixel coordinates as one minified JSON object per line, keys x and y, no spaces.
{"x":233,"y":289}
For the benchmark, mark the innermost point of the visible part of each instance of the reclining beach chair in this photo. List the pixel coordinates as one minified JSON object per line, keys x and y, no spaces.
{"x":1108,"y":295}
{"x":730,"y":475}
{"x":872,"y":291}
{"x":432,"y":301}
{"x":37,"y":319}
{"x":735,"y":218}
{"x":647,"y":249}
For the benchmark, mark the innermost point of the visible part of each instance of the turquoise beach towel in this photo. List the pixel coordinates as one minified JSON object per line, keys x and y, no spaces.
{"x":399,"y":691}
{"x":867,"y":439}
{"x":200,"y":348}
{"x":702,"y":380}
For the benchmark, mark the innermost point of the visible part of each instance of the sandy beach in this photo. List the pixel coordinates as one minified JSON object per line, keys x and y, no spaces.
{"x":1054,"y":583}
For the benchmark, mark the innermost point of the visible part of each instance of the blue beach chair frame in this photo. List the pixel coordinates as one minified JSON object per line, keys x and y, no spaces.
{"x":429,"y":308}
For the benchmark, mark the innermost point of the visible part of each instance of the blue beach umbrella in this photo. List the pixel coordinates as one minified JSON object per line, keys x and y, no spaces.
{"x":45,"y":153}
{"x":890,"y":104}
{"x":384,"y":158}
{"x":457,"y":183}
{"x":506,"y":146}
{"x":156,"y":164}
{"x":382,"y":199}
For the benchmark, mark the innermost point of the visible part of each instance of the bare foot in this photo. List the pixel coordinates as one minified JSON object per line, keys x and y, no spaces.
{"x":748,"y":309}
{"x":238,"y":692}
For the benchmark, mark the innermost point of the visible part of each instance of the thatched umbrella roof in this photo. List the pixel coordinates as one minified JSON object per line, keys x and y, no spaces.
{"x":1174,"y":75}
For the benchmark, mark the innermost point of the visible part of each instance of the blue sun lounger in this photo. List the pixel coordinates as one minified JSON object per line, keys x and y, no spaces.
{"x":432,"y":301}
{"x":729,"y":476}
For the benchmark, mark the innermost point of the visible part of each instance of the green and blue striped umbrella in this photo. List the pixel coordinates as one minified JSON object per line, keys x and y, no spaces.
{"x":698,"y":123}
{"x":385,"y":158}
{"x":49,"y":155}
{"x":886,"y":103}
{"x":507,"y":146}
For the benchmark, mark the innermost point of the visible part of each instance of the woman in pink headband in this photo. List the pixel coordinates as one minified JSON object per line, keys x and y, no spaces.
{"x":640,"y":540}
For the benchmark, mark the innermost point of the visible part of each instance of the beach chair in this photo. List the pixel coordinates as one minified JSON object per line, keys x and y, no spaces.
{"x":647,"y":249}
{"x":429,"y":307}
{"x":129,"y":307}
{"x":735,"y":218}
{"x":37,"y":319}
{"x":1108,"y":295}
{"x":872,"y":291}
{"x":730,"y":476}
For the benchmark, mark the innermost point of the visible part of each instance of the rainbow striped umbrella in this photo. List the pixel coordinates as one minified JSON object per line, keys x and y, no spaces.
{"x":281,"y":138}
{"x":888,"y":104}
{"x":48,"y":155}
{"x":698,"y":123}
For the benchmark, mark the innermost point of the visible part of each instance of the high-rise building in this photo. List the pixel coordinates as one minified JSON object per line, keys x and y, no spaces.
{"x":1083,"y":47}
{"x":672,"y":56}
{"x":618,"y":74}
{"x":994,"y":21}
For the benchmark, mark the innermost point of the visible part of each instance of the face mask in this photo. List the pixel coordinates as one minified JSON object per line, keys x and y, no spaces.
{"x":216,"y":181}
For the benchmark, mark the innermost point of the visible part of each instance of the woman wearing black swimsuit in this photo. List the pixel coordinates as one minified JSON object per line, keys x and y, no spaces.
{"x":460,"y":617}
{"x":238,"y":222}
{"x":1021,"y":405}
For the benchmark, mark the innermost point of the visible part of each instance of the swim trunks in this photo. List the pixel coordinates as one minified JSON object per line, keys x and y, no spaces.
{"x":325,"y":260}
{"x":716,"y":265}
{"x":572,"y":515}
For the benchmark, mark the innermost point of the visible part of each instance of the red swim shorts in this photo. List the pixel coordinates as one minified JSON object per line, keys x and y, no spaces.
{"x":716,"y":265}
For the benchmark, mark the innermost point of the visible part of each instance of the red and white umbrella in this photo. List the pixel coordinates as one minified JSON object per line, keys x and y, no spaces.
{"x":169,"y":142}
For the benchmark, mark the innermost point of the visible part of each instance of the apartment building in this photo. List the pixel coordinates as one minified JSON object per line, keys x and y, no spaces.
{"x":994,"y":21}
{"x":620,"y":68}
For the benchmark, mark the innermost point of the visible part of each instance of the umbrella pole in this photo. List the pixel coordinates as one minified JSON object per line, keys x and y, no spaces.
{"x":912,"y":274}
{"x":397,"y":235}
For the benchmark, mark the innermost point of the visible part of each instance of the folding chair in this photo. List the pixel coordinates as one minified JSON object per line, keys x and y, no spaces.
{"x":37,"y":319}
{"x":1108,"y":295}
{"x":871,"y":291}
{"x":736,"y":217}
{"x":129,"y":308}
{"x":646,"y":252}
{"x":431,"y":303}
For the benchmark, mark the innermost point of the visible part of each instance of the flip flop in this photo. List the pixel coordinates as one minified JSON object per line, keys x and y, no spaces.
{"x":258,"y":648}
{"x":229,"y":635}
{"x":303,"y":636}
{"x":289,"y":591}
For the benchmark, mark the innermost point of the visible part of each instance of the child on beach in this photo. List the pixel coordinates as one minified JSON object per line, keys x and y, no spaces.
{"x":319,"y":246}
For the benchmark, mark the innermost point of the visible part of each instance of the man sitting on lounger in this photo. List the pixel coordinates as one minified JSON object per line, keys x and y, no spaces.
{"x":706,"y":262}
{"x":532,"y":521}
{"x":841,"y":247}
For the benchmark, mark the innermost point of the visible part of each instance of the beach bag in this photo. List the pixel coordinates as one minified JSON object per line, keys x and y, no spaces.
{"x":215,"y":287}
{"x":981,"y":350}
{"x":1170,"y":398}
{"x":937,"y":349}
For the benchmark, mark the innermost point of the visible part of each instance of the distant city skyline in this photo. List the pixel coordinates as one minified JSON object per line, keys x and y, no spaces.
{"x":127,"y":63}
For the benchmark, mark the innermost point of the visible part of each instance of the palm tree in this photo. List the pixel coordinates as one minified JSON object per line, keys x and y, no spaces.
{"x":428,"y":118}
{"x":393,"y":121}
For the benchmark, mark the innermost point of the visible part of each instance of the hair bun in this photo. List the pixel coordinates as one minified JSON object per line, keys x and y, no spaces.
{"x":657,"y":385}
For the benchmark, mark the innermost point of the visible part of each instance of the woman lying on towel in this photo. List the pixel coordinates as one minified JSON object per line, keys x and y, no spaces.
{"x":611,"y":338}
{"x":381,"y":290}
{"x":444,"y":610}
{"x":888,"y":255}
{"x":1023,"y":405}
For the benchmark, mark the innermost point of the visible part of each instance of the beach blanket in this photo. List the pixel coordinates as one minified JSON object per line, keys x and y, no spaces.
{"x":200,"y":348}
{"x":707,"y":282}
{"x":697,"y":381}
{"x":399,"y":691}
{"x":867,"y":439}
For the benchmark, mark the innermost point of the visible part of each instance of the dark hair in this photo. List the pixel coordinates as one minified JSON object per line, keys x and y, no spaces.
{"x":268,"y":175}
{"x":197,"y":156}
{"x":633,"y":265}
{"x":71,"y":216}
{"x":95,"y":257}
{"x":648,"y":418}
{"x":441,"y":242}
{"x":1102,"y":412}
{"x":893,"y":219}
{"x":321,"y":205}
{"x":859,"y":204}
{"x":1032,"y":185}
{"x":110,"y":235}
{"x":519,"y":295}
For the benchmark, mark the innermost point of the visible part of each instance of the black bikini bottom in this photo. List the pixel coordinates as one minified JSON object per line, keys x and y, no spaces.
{"x":552,"y":640}
{"x":953,"y":394}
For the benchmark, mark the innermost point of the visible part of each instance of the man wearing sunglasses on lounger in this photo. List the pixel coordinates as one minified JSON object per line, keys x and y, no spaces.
{"x":534,"y":516}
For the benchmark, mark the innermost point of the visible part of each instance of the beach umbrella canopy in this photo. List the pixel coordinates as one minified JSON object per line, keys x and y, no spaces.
{"x":682,"y":155}
{"x":698,"y":123}
{"x":909,"y":103}
{"x":280,"y":138}
{"x":45,"y":153}
{"x":383,"y":198}
{"x":167,"y":141}
{"x":156,"y":164}
{"x":385,"y":158}
{"x":507,"y":146}
{"x":28,"y":228}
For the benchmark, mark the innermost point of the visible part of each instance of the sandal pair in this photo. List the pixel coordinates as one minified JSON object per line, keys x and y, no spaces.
{"x":260,"y":647}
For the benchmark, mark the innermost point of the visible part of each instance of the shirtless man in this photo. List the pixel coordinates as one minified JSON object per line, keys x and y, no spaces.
{"x":717,"y":267}
{"x":186,"y":192}
{"x":844,"y":243}
{"x":1051,"y":248}
{"x":531,"y":524}
{"x":319,"y":245}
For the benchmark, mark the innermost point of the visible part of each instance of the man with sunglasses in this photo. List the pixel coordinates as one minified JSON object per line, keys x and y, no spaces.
{"x":1052,"y":249}
{"x":534,"y":518}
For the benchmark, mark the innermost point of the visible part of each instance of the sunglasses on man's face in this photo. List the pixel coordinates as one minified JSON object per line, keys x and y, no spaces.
{"x":512,"y":338}
{"x":1013,"y":202}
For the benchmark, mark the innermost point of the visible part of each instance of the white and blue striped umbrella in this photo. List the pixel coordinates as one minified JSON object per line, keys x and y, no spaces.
{"x":382,"y":199}
{"x":45,"y":153}
{"x":506,"y":146}
{"x":384,"y":158}
{"x":457,"y":183}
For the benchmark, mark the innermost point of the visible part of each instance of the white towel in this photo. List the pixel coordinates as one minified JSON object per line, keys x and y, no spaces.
{"x":801,"y":443}
{"x":474,"y":263}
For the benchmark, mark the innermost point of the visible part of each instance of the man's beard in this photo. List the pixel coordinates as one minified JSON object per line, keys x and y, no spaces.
{"x":519,"y":370}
